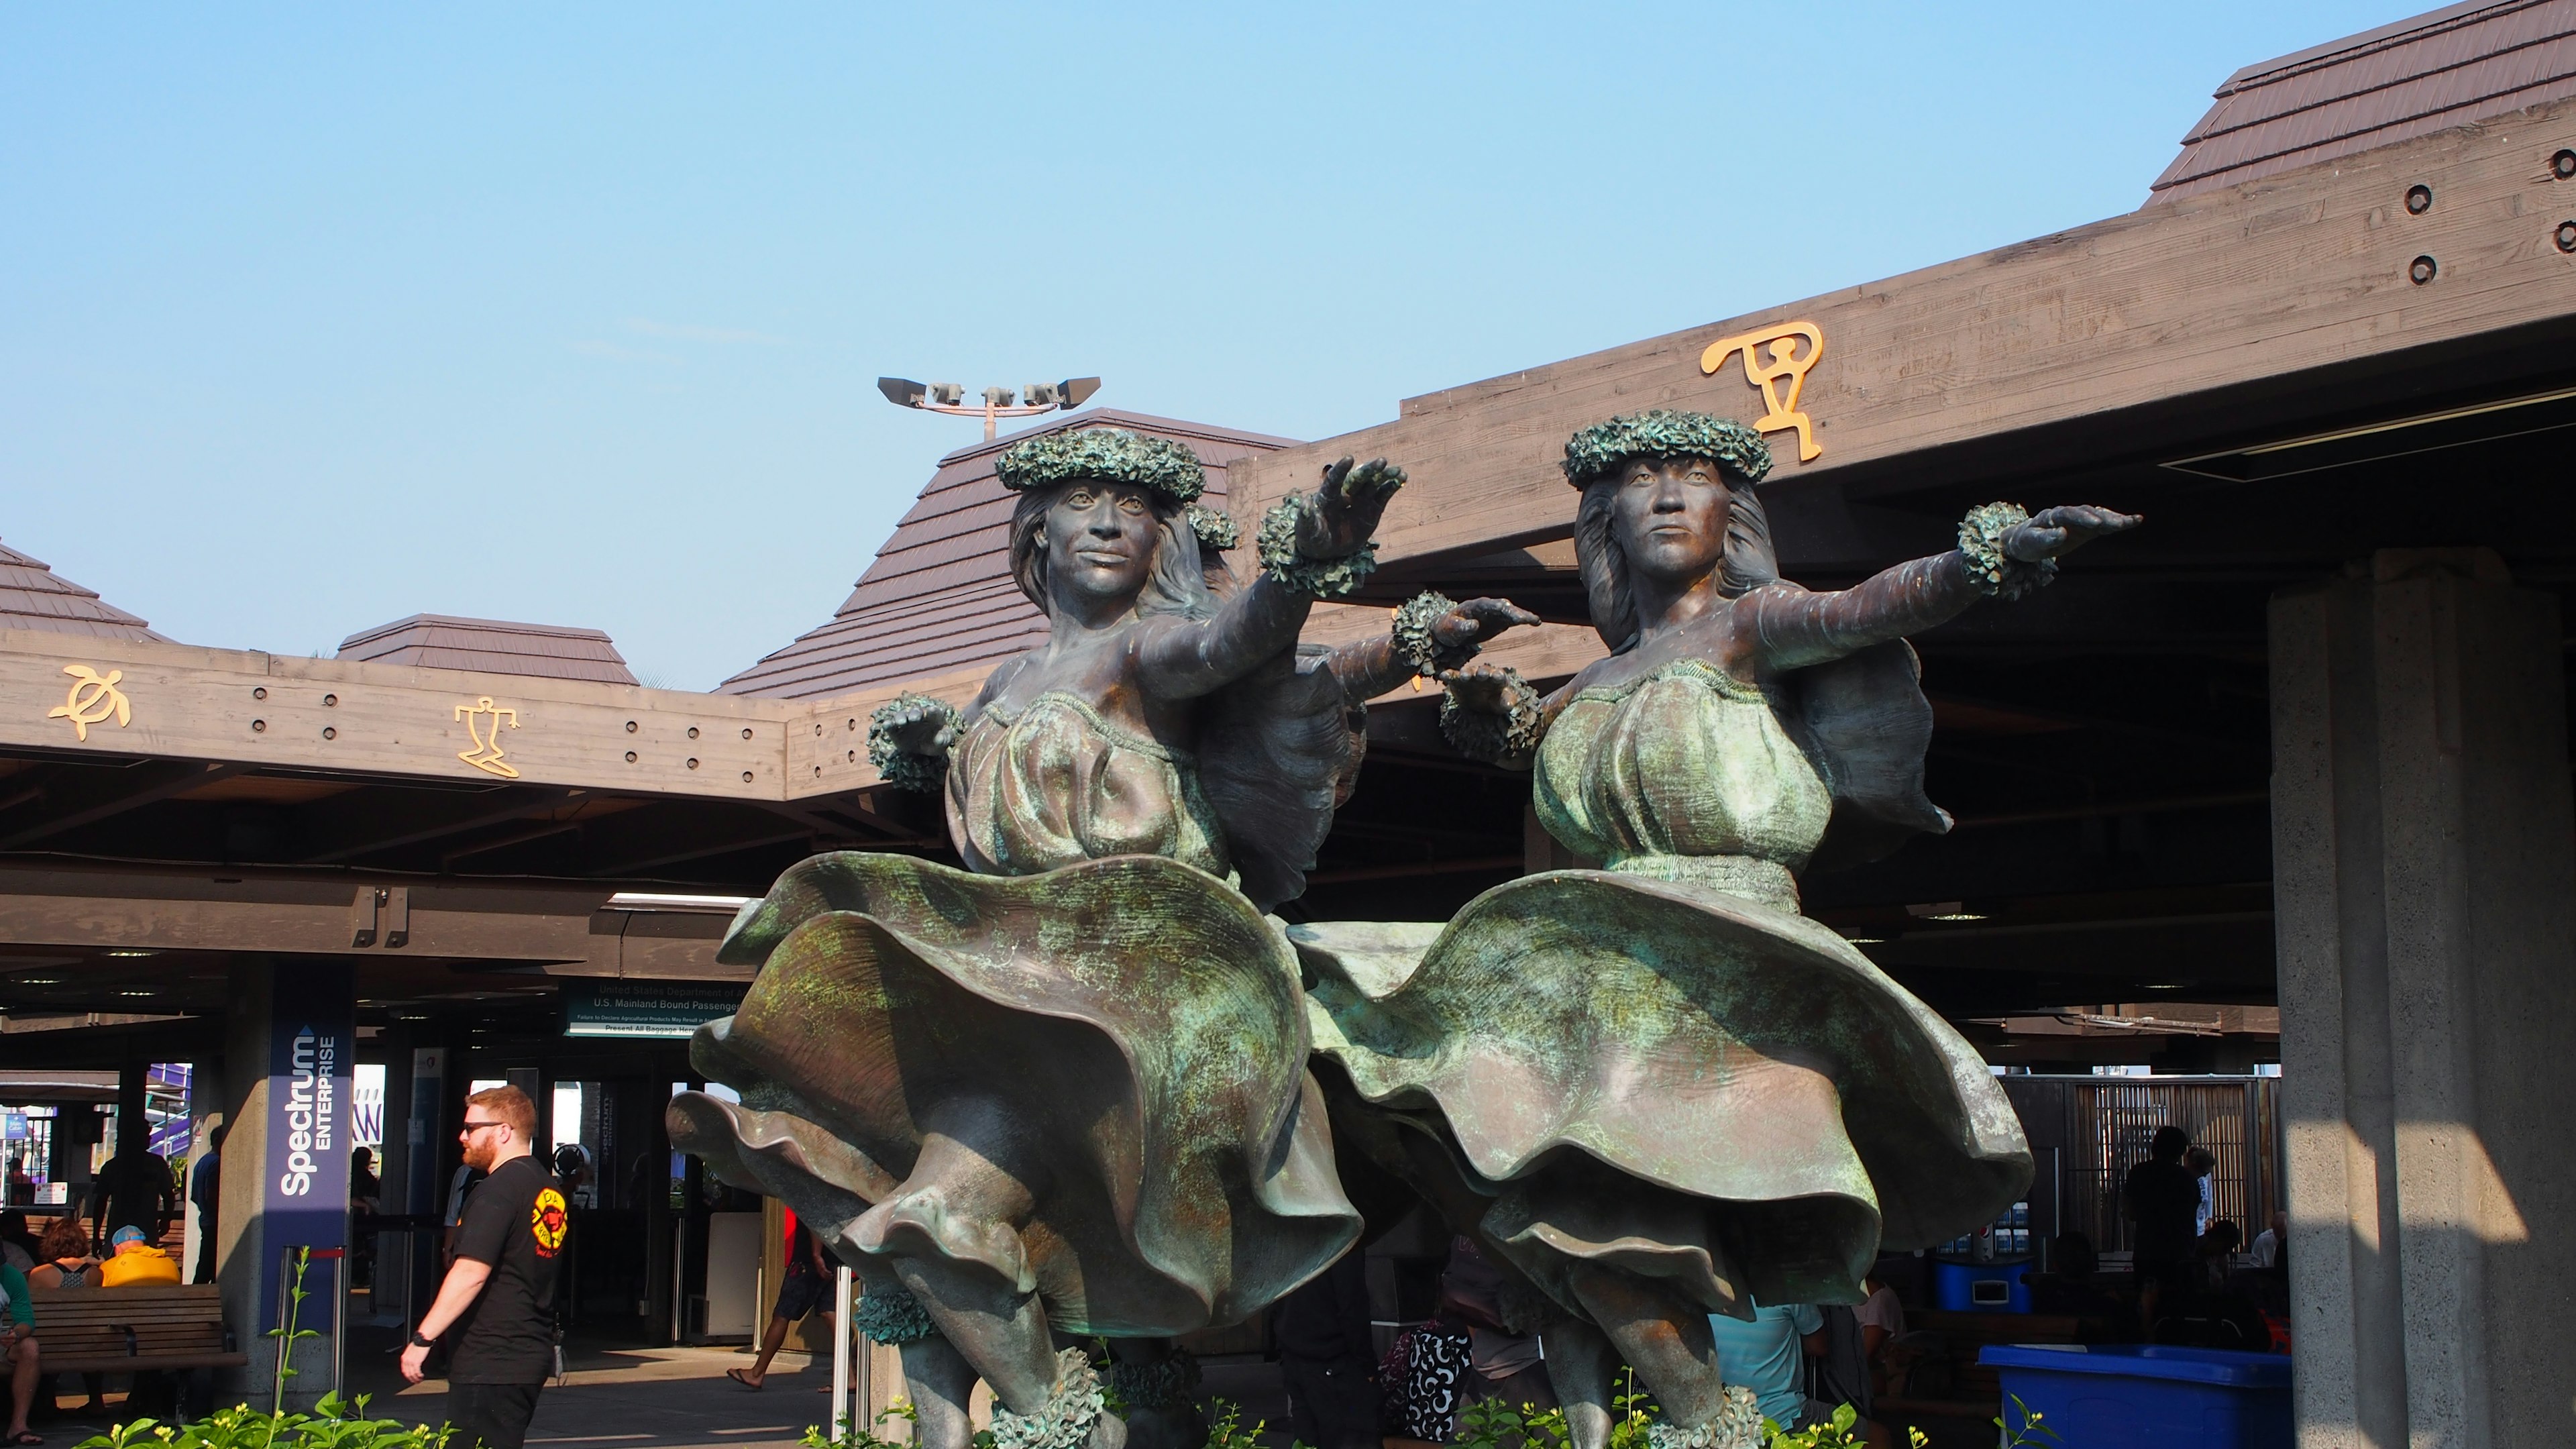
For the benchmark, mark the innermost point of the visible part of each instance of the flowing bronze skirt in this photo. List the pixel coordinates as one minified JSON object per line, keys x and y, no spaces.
{"x":1135,"y":1018}
{"x":1666,"y":1077}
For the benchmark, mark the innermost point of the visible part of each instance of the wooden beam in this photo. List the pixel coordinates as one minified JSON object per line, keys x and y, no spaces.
{"x":370,"y":822}
{"x":82,"y":796}
{"x":2296,"y":273}
{"x":156,"y":911}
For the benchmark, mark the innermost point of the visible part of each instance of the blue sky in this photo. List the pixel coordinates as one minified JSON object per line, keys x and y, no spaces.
{"x":313,"y":317}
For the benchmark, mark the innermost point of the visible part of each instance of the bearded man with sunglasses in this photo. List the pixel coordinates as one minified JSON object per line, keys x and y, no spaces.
{"x":498,"y":1299}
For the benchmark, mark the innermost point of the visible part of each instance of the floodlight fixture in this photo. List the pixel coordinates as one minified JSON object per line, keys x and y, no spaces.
{"x":949,"y":397}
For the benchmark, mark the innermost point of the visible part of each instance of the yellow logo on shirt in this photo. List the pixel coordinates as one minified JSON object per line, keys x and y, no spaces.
{"x":547,"y":1221}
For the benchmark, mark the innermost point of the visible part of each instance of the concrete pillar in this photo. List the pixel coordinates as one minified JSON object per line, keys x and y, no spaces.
{"x":2424,"y":859}
{"x":289,"y":1052}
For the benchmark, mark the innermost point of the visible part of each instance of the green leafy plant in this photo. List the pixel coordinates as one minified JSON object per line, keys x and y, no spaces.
{"x":287,"y":1333}
{"x":335,"y":1423}
{"x":2031,"y":1433}
{"x":1225,"y":1426}
{"x":855,"y":1435}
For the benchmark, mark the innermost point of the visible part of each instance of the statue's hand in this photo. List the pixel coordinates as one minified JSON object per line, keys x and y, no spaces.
{"x":1477,"y":621}
{"x":1345,"y":510}
{"x":1481,"y":688}
{"x":924,"y":728}
{"x":2056,"y":532}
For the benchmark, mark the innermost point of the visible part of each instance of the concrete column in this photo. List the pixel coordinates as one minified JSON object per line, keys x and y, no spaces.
{"x":289,"y":1052}
{"x":2424,"y":859}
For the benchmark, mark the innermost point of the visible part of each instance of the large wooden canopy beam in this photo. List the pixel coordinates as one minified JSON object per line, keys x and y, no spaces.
{"x":2302,"y":273}
{"x":81,"y":796}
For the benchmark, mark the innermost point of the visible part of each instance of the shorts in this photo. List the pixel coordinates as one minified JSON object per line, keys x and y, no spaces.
{"x":493,"y":1415}
{"x":800,"y":1295}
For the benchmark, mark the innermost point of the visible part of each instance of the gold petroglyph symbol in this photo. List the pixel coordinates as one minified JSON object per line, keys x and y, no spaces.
{"x":1780,"y":376}
{"x":486,"y":754}
{"x":94,"y":699}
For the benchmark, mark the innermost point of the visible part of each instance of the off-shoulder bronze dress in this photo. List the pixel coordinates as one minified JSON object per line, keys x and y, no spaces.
{"x":1661,"y":1064}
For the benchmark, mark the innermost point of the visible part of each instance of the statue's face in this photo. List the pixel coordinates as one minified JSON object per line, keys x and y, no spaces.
{"x":1669,"y":517}
{"x":1100,"y":539}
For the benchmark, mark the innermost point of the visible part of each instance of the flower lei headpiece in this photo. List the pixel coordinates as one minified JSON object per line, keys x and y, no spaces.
{"x":1666,"y":434}
{"x":1167,"y":467}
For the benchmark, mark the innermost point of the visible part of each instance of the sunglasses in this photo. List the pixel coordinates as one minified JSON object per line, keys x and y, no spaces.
{"x":479,"y":1126}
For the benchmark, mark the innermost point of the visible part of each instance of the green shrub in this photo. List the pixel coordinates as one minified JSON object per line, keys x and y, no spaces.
{"x":335,"y":1423}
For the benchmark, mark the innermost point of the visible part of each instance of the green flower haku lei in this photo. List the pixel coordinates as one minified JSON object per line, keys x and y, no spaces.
{"x":891,"y":1315}
{"x":1999,"y":574}
{"x":1161,"y":464}
{"x":1316,"y":578}
{"x":1065,"y":1420}
{"x":1415,"y":640}
{"x":1216,"y":532}
{"x":1481,"y":735}
{"x":901,"y":768}
{"x":1664,"y":433}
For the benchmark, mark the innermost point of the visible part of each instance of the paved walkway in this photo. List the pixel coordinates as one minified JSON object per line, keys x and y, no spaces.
{"x":662,"y":1398}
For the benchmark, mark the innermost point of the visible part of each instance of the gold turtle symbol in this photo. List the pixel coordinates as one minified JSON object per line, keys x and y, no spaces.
{"x":94,"y":698}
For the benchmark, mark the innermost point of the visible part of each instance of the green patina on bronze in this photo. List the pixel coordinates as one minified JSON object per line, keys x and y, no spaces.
{"x":1216,"y":532}
{"x":902,"y":768}
{"x":1165,"y":466}
{"x":1981,"y":538}
{"x":1662,"y":1065}
{"x":1318,"y":578}
{"x":1664,"y":433}
{"x":1156,"y":1045}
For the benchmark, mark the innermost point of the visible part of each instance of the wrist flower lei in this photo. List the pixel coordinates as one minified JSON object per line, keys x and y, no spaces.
{"x":1316,"y":578}
{"x":1415,"y":640}
{"x":1999,"y":574}
{"x":902,"y":768}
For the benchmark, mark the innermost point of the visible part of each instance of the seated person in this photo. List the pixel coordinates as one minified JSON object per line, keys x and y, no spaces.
{"x":63,"y":1258}
{"x":64,"y":1261}
{"x":18,"y":1350}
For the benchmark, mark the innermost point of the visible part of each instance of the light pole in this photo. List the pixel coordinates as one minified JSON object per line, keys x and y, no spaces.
{"x":948,"y":397}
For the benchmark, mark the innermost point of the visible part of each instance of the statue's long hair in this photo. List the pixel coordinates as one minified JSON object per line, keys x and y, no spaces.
{"x":1276,"y":749}
{"x":1862,"y":720}
{"x":1748,"y":564}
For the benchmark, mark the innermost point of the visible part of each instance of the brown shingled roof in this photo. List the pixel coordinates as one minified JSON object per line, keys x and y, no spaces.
{"x":493,"y":646}
{"x":939,"y":597}
{"x":2452,"y":66}
{"x":33,"y":596}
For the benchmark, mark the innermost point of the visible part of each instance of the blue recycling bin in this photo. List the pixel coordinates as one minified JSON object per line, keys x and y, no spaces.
{"x":1963,"y":1286}
{"x":2147,"y":1396}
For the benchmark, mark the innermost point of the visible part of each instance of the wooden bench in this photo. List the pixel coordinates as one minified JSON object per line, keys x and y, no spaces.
{"x":138,"y":1328}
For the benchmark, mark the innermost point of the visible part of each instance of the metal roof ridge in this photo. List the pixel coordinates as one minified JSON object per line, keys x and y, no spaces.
{"x":2449,"y":17}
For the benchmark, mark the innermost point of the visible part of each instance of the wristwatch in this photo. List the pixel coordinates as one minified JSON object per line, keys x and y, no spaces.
{"x":419,"y":1342}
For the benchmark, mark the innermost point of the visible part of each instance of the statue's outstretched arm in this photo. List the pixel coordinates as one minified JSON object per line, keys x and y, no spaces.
{"x":1429,"y":635}
{"x":1313,"y":546}
{"x":2001,"y":551}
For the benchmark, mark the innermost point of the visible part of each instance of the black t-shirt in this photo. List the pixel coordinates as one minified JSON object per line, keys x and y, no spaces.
{"x":2164,"y":1198}
{"x":515,"y":1221}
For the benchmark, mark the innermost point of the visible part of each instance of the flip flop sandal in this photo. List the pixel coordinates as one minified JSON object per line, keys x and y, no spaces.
{"x":735,"y":1374}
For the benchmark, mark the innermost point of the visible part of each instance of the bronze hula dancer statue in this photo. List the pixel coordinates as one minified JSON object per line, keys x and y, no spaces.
{"x":1064,"y":1091}
{"x":1655,"y":1089}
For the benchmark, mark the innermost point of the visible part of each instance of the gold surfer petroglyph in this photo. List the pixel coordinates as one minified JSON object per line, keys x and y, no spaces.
{"x":1780,"y":376}
{"x":94,"y":699}
{"x":486,"y":754}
